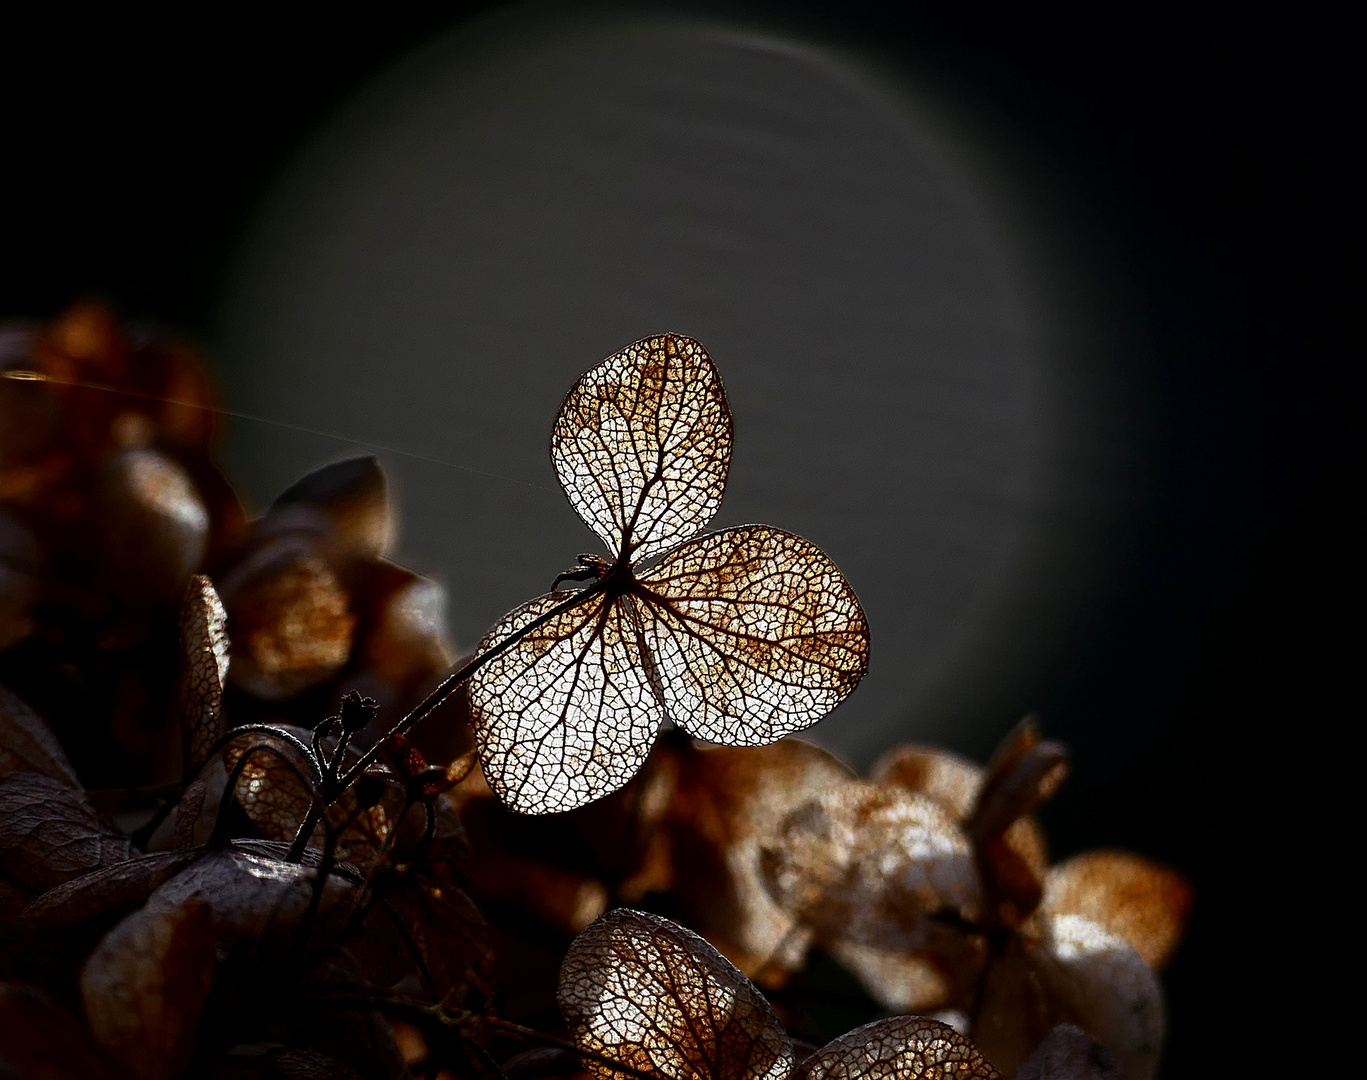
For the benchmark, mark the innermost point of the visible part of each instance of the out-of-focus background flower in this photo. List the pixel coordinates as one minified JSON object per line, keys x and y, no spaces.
{"x":1023,"y":315}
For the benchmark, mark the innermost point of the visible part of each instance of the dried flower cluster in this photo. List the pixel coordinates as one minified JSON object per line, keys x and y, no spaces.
{"x":224,"y":853}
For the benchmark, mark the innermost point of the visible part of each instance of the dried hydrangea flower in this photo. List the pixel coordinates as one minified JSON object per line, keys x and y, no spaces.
{"x":739,"y":637}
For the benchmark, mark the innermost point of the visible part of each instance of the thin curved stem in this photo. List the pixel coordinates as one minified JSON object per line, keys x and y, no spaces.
{"x":452,"y":682}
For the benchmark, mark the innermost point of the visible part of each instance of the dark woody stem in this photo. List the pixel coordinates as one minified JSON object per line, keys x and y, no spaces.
{"x":453,"y":682}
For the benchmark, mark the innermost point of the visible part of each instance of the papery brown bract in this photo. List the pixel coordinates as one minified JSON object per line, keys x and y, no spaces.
{"x":1024,"y":772}
{"x":644,"y":992}
{"x":1130,"y":896}
{"x":314,"y":606}
{"x":273,"y":794}
{"x":144,"y":987}
{"x":290,"y":618}
{"x":203,"y":672}
{"x":898,"y":1048}
{"x":1069,"y":1053}
{"x":274,"y":1061}
{"x":351,"y":496}
{"x":27,"y":743}
{"x":726,"y":802}
{"x":442,"y":925}
{"x":875,"y":870}
{"x":111,"y":890}
{"x":49,"y":833}
{"x":154,"y":527}
{"x":1066,"y":968}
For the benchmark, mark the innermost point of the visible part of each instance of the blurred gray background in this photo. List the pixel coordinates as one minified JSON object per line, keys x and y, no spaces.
{"x":518,"y":199}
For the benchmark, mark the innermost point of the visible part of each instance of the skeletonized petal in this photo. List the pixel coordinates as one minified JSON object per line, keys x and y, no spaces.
{"x":899,"y":1048}
{"x":204,"y":671}
{"x":566,"y":715}
{"x":643,"y":991}
{"x":643,"y":443}
{"x":754,"y":632}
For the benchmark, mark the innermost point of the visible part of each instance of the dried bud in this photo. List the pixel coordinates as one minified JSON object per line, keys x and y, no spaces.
{"x":357,"y":712}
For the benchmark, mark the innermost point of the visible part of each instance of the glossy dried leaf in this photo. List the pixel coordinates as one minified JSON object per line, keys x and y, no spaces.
{"x":568,"y":713}
{"x":144,"y":987}
{"x":204,"y":671}
{"x":644,"y":992}
{"x":27,"y":743}
{"x":642,"y":445}
{"x":753,"y":634}
{"x":1128,"y":895}
{"x":899,"y":1048}
{"x":49,"y":833}
{"x":39,"y":1041}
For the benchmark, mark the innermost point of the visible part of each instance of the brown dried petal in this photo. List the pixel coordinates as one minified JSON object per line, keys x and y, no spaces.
{"x":274,"y":1062}
{"x":145,"y":985}
{"x":726,"y":803}
{"x":269,"y":787}
{"x":868,"y":863}
{"x":950,"y":780}
{"x":255,"y":896}
{"x":191,"y":822}
{"x":204,"y":670}
{"x":112,"y":889}
{"x":154,"y":527}
{"x":1069,"y":1053}
{"x":290,"y":619}
{"x":644,"y":992}
{"x":898,"y":1048}
{"x":450,"y":935}
{"x":408,"y":644}
{"x":942,"y":973}
{"x":39,"y":1041}
{"x":353,"y":496}
{"x":275,"y":798}
{"x":753,"y":633}
{"x":27,"y":743}
{"x":1141,"y":901}
{"x":567,"y":715}
{"x":642,"y":445}
{"x":1025,"y":771}
{"x":49,"y":833}
{"x":1073,"y":971}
